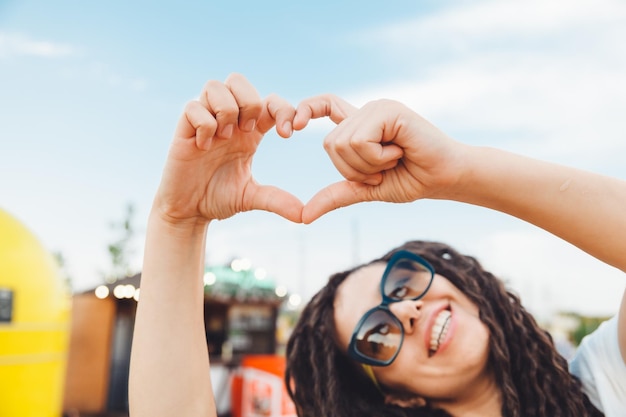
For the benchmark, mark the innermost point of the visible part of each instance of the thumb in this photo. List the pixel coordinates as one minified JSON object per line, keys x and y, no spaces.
{"x":339,"y":194}
{"x":275,"y":200}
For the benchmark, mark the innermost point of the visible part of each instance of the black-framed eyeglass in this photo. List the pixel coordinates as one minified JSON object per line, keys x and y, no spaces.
{"x":379,"y":334}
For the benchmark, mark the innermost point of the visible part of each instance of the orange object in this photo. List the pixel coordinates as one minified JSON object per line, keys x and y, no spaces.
{"x":258,"y":388}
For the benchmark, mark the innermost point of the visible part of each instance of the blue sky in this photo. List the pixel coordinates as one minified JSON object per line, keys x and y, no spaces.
{"x":90,"y":93}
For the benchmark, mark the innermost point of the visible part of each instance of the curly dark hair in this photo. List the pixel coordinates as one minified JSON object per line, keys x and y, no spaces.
{"x":534,"y":378}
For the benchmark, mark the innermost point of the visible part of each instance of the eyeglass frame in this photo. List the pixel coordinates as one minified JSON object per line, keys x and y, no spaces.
{"x":384,"y":306}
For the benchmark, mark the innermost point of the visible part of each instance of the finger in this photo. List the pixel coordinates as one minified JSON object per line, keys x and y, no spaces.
{"x":348,"y":171}
{"x":275,"y":200}
{"x":340,"y":194}
{"x":327,"y":105}
{"x":379,"y":156}
{"x":248,"y":100}
{"x":219,"y":100}
{"x":365,"y":156}
{"x":277,"y":111}
{"x":196,"y":122}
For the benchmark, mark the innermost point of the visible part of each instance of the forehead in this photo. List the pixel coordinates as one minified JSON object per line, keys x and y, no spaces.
{"x":359,"y":292}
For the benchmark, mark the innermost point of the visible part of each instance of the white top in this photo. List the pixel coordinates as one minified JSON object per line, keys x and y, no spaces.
{"x":599,"y":365}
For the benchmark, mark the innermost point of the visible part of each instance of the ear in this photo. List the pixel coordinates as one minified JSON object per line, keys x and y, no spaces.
{"x":405,"y":400}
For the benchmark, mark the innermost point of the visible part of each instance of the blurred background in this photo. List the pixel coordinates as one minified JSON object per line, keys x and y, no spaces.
{"x":90,"y":94}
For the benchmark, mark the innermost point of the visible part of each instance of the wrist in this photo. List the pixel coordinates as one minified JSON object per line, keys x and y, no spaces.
{"x":178,"y":228}
{"x":455,"y":181}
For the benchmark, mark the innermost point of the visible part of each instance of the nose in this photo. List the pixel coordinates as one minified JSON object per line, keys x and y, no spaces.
{"x":408,"y":312}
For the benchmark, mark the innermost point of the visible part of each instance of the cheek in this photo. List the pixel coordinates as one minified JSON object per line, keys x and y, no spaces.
{"x":343,"y":332}
{"x":472,"y":330}
{"x":480,"y":343}
{"x":409,"y":366}
{"x":474,"y":350}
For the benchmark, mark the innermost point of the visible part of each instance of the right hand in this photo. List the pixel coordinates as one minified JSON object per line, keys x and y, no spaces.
{"x":385,"y":151}
{"x":208,"y":170}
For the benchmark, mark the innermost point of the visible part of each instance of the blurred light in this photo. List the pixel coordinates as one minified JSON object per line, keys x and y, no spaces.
{"x":239,"y":265}
{"x":129,"y":291}
{"x":209,"y":278}
{"x":295,"y":300}
{"x":136,"y":294}
{"x":245,"y":264}
{"x":260,"y":273}
{"x":235,"y":265}
{"x":281,"y":291}
{"x":102,"y":292}
{"x":119,"y":291}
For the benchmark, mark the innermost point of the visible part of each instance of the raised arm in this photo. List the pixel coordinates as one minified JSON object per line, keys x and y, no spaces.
{"x":387,"y":152}
{"x":207,"y":176}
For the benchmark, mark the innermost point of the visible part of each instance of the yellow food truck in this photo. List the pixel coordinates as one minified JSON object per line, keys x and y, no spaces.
{"x":34,"y":325}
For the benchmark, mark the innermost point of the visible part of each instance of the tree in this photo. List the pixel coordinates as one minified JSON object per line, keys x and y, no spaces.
{"x":63,"y":270}
{"x":120,"y":250}
{"x":586,"y":326}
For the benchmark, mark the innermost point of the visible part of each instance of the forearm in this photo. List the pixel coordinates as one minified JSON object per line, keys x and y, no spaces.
{"x":585,"y":209}
{"x":169,"y":373}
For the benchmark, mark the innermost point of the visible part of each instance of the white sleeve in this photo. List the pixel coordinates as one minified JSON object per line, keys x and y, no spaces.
{"x":599,"y":365}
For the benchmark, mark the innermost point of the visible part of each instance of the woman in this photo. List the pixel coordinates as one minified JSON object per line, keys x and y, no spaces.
{"x":442,"y":337}
{"x":451,"y":348}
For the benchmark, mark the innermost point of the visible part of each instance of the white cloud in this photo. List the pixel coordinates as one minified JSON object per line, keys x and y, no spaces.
{"x":15,"y":44}
{"x":103,"y":73}
{"x":551,"y":75}
{"x":543,"y":78}
{"x":549,"y":274}
{"x":19,"y":45}
{"x":482,"y":20}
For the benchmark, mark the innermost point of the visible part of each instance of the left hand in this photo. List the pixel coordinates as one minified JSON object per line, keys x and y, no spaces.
{"x":208,"y":171}
{"x":385,"y":151}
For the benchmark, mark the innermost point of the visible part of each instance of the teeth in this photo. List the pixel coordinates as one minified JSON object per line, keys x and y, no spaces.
{"x":440,"y":328}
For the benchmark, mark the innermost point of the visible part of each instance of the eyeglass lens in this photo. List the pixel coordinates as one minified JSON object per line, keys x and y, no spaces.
{"x":407,"y":279}
{"x":380,"y":334}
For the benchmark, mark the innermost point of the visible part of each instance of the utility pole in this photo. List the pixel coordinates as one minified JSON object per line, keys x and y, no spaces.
{"x":356,"y":256}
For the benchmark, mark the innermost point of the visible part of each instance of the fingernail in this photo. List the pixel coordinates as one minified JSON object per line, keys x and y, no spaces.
{"x":287,"y":128}
{"x":373,"y":181}
{"x":227,"y":131}
{"x":250,"y":124}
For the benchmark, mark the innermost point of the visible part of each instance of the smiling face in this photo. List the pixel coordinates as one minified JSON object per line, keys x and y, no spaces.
{"x":446,"y":346}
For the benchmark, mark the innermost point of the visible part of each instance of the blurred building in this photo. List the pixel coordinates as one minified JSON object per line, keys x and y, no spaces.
{"x":241,"y":315}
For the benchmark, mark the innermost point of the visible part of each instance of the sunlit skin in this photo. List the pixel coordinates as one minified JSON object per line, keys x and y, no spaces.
{"x":457,"y":374}
{"x":385,"y":152}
